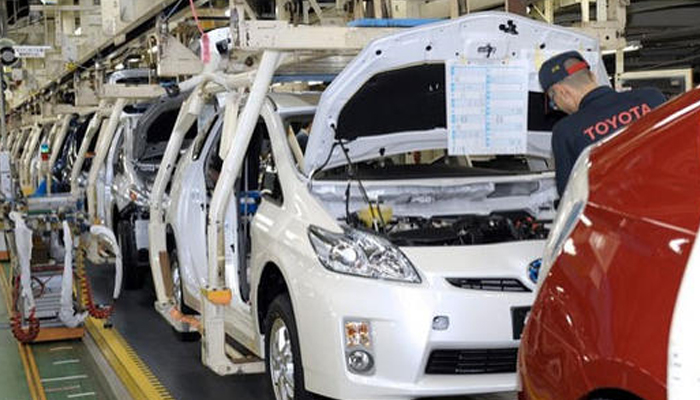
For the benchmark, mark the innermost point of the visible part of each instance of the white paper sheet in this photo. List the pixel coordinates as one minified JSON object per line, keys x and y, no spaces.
{"x":487,"y":106}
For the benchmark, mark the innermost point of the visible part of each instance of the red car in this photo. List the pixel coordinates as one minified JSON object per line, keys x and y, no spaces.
{"x":614,"y":262}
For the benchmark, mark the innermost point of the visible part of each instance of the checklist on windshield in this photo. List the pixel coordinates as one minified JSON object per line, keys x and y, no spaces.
{"x":486,"y":108}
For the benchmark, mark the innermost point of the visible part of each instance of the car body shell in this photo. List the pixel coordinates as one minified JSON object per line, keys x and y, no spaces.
{"x":323,"y":299}
{"x":401,"y":314}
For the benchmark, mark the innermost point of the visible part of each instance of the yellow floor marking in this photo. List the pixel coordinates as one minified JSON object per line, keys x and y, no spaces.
{"x":138,"y":379}
{"x":36,"y":389}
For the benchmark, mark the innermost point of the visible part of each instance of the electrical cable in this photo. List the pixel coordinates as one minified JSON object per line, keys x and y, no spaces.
{"x":24,"y":335}
{"x":85,"y":288}
{"x":353,"y":175}
{"x":325,"y":162}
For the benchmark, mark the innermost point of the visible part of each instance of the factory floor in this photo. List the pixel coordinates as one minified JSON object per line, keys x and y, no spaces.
{"x":177,"y":364}
{"x":135,"y":354}
{"x":55,"y":370}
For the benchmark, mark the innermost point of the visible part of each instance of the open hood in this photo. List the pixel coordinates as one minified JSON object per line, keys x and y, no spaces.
{"x":391,"y":98}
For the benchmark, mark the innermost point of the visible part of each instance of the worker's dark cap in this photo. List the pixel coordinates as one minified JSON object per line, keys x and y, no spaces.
{"x":553,"y":70}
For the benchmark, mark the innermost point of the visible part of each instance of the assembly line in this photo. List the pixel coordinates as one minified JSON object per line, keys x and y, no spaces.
{"x":351,"y":200}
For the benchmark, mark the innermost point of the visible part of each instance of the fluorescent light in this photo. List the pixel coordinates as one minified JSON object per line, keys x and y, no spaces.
{"x":630,"y":48}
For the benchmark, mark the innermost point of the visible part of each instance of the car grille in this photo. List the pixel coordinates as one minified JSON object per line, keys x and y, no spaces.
{"x":492,"y":284}
{"x":472,"y":361}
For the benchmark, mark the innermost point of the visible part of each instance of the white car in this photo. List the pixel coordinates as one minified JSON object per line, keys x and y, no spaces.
{"x":374,"y":264}
{"x":130,"y":167}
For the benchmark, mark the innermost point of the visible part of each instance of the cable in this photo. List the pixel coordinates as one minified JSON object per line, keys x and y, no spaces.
{"x":196,"y":17}
{"x":353,"y":175}
{"x":325,"y":162}
{"x":206,"y":56}
{"x":32,"y":331}
{"x":99,"y":312}
{"x":172,"y":10}
{"x":347,"y":202}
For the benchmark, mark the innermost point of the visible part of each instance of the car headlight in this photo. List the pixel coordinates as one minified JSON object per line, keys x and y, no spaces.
{"x":360,"y":253}
{"x":570,"y":209}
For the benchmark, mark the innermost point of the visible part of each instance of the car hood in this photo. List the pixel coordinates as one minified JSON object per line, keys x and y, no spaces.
{"x":368,"y":105}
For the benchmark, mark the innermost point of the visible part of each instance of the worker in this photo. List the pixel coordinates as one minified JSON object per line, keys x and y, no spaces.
{"x":595,"y":111}
{"x":303,"y":136}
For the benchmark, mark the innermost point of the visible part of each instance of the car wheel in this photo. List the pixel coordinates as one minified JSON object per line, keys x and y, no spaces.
{"x":179,"y":297}
{"x":285,"y":374}
{"x":134,"y":276}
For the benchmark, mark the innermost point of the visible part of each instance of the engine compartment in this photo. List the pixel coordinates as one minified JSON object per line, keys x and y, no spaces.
{"x":459,"y":230}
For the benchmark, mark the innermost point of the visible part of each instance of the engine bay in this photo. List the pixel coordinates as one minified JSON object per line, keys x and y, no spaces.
{"x":459,"y":230}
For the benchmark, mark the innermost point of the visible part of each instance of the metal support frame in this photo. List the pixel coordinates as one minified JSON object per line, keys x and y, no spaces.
{"x":101,"y":150}
{"x":104,"y":109}
{"x":134,"y":92}
{"x":619,"y":67}
{"x":585,"y":11}
{"x":684,"y":73}
{"x":69,"y":109}
{"x":56,"y":145}
{"x":283,"y":36}
{"x":187,"y":116}
{"x":214,"y":336}
{"x":157,"y":241}
{"x":175,"y":59}
{"x":20,"y":138}
{"x":25,"y":178}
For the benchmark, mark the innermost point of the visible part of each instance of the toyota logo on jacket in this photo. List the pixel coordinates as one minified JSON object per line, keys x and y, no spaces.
{"x":602,"y":112}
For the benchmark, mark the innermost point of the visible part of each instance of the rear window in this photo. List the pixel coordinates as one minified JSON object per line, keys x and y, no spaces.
{"x":413,"y":99}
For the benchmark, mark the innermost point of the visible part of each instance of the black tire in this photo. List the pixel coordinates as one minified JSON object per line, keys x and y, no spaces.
{"x":180,"y":299}
{"x":281,"y":311}
{"x":178,"y":291}
{"x":134,"y":275}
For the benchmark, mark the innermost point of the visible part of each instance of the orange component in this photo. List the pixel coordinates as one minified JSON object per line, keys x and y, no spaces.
{"x":220,"y":297}
{"x":177,"y":315}
{"x":95,"y":311}
{"x":24,"y":335}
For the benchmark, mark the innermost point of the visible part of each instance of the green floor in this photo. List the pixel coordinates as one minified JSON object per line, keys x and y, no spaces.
{"x":66,"y":368}
{"x":68,"y":372}
{"x":13,"y":382}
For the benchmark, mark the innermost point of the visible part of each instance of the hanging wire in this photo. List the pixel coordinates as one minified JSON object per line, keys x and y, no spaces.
{"x":196,"y":17}
{"x":172,"y":10}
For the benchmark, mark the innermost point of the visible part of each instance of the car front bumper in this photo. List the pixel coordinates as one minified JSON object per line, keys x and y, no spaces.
{"x":402,"y":335}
